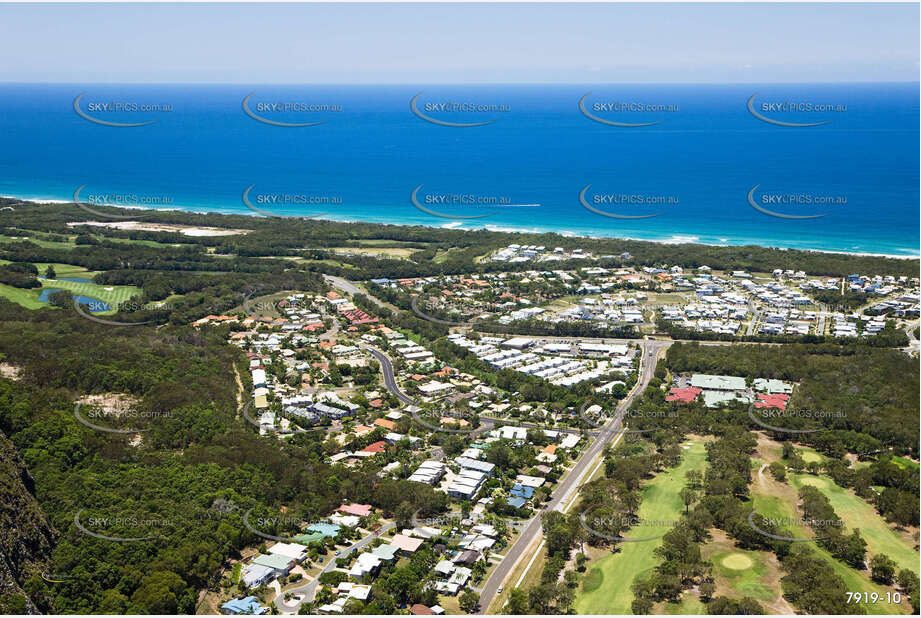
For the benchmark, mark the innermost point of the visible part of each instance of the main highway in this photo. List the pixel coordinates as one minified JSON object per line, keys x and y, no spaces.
{"x":573,"y":480}
{"x":649,"y":350}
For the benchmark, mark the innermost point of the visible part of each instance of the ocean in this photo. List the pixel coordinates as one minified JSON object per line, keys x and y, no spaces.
{"x":715,"y":164}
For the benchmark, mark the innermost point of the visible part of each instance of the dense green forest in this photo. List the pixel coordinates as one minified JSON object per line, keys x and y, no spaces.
{"x":851,"y":391}
{"x":292,"y":237}
{"x":194,"y":452}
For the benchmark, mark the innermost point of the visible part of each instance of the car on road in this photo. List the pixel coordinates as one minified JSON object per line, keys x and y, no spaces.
{"x":499,"y":590}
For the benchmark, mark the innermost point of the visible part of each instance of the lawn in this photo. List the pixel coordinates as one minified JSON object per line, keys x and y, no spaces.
{"x":28,"y":298}
{"x":904,"y":462}
{"x":742,"y":571}
{"x":442,"y":255}
{"x":47,"y":244}
{"x":857,"y":513}
{"x":65,"y":270}
{"x":390,"y":252}
{"x":690,"y":605}
{"x":112,"y":295}
{"x":607,"y":585}
{"x":854,"y":581}
{"x":21,"y":296}
{"x":810,"y":455}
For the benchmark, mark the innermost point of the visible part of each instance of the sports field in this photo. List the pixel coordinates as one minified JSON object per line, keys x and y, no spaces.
{"x":857,"y":513}
{"x":607,"y":586}
{"x":29,"y":298}
{"x":776,"y":507}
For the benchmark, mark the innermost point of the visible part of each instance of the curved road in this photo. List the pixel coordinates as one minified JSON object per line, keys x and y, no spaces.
{"x":573,"y":480}
{"x":488,"y":422}
{"x":649,"y":350}
{"x":309,"y":590}
{"x":390,"y":380}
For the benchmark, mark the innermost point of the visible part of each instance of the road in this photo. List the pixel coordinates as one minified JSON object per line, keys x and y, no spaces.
{"x":574,"y":479}
{"x":349,"y":287}
{"x":570,"y":484}
{"x":309,"y":590}
{"x":390,"y":380}
{"x":488,"y":423}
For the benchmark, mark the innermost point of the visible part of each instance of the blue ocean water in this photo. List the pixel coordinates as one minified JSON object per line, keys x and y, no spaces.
{"x":524,"y":170}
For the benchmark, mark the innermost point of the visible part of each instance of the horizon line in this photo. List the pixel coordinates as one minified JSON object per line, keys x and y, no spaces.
{"x":425,"y":83}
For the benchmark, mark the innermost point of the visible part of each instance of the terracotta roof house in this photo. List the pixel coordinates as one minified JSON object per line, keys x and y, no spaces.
{"x":377,"y":447}
{"x":360,"y":510}
{"x":683,"y":395}
{"x":382,"y":422}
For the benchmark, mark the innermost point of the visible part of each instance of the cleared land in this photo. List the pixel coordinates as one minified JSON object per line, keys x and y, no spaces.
{"x":393,"y":252}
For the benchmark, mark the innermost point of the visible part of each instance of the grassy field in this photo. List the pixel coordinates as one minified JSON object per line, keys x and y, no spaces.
{"x":20,"y":296}
{"x":66,"y":270}
{"x":857,"y":513}
{"x":29,"y":298}
{"x":810,"y":455}
{"x":443,"y":255}
{"x":108,"y":294}
{"x":149,"y":243}
{"x":690,"y":605}
{"x":48,"y":244}
{"x":775,"y":506}
{"x":391,"y":252}
{"x":904,"y":462}
{"x":742,"y":571}
{"x":607,"y":585}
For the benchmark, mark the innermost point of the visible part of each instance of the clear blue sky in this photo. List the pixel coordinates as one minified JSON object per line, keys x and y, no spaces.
{"x":455,"y":43}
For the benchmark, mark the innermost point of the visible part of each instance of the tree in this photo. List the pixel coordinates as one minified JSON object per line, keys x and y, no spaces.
{"x":688,"y":496}
{"x":707,"y":589}
{"x":571,"y":578}
{"x":882,"y":569}
{"x":517,"y":602}
{"x":469,"y":601}
{"x":641,"y":605}
{"x":159,"y":593}
{"x":778,"y":470}
{"x":403,"y":515}
{"x":49,"y":272}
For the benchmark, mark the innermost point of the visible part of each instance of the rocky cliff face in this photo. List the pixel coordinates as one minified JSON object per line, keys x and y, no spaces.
{"x":26,"y":536}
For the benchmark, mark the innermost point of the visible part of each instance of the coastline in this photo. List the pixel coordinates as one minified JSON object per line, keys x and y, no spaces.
{"x":676,"y":239}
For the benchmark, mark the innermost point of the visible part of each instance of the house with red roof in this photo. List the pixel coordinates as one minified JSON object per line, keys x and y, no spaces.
{"x":778,"y":400}
{"x":683,"y":395}
{"x":359,"y":510}
{"x":383,"y":422}
{"x":377,"y":447}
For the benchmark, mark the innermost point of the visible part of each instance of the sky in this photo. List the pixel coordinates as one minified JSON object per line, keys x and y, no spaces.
{"x":458,"y":43}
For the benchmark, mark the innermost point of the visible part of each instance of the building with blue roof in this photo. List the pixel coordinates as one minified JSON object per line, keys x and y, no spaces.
{"x":325,"y":529}
{"x":386,"y":552}
{"x":517,"y":502}
{"x":247,"y":605}
{"x":521,"y":491}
